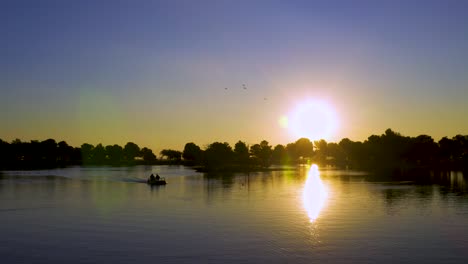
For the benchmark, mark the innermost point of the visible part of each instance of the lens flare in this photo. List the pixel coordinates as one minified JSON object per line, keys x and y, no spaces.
{"x":283,"y":121}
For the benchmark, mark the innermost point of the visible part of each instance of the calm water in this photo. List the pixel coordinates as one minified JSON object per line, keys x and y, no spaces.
{"x":108,"y":215}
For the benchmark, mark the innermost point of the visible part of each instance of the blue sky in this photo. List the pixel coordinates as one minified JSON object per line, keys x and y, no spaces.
{"x":155,"y":72}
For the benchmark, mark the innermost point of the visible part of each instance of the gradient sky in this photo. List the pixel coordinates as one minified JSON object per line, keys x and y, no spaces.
{"x":155,"y":72}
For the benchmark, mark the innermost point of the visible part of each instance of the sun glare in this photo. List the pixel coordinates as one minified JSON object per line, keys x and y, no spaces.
{"x":315,"y":193}
{"x":312,"y":119}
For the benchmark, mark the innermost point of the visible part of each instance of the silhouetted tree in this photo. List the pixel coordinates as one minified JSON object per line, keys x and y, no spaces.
{"x":262,"y":153}
{"x":336,"y":156}
{"x":192,"y":153}
{"x":446,"y":147}
{"x":18,"y":152}
{"x":390,"y":150}
{"x":171,"y":154}
{"x":115,"y":154}
{"x":280,"y":155}
{"x":49,"y":152}
{"x":422,"y":150}
{"x":292,"y":153}
{"x":354,"y":153}
{"x":321,"y":152}
{"x":130,"y":151}
{"x":304,"y":149}
{"x":241,"y":153}
{"x":461,"y":151}
{"x":76,"y":158}
{"x":87,"y":153}
{"x":387,"y":151}
{"x":6,"y":157}
{"x":148,"y":155}
{"x":33,"y":154}
{"x":99,"y":155}
{"x":65,"y":154}
{"x":218,"y":155}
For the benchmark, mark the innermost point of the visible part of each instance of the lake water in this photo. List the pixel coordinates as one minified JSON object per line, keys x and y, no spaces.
{"x":109,"y":215}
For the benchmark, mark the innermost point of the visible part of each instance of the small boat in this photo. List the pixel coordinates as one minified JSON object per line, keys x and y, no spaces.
{"x":161,"y":181}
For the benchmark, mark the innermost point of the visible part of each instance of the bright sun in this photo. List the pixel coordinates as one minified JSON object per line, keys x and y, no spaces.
{"x":311,"y":119}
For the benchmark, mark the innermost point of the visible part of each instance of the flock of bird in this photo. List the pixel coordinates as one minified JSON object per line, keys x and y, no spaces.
{"x":244,"y":87}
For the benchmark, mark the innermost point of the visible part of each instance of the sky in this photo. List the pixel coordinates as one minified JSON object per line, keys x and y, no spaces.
{"x":164,"y":73}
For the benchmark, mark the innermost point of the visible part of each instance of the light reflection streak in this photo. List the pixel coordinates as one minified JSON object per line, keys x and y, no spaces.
{"x":315,"y":193}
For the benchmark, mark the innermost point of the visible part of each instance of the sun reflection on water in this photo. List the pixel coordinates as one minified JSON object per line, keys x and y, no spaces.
{"x":315,"y":193}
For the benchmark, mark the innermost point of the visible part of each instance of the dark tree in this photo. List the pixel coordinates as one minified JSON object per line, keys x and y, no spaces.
{"x":353,"y":153}
{"x":446,"y":150}
{"x":262,"y":153}
{"x":388,"y":151}
{"x":422,"y":151}
{"x":130,"y":151}
{"x":192,"y":153}
{"x":218,"y":155}
{"x":148,"y":155}
{"x":49,"y":152}
{"x":280,"y":155}
{"x":292,"y":153}
{"x":87,"y":153}
{"x":337,"y":157}
{"x":461,"y":152}
{"x":115,"y":154}
{"x":304,"y":149}
{"x":99,"y":155}
{"x":33,"y":154}
{"x":76,"y":158}
{"x":170,"y":154}
{"x":241,"y":153}
{"x":321,"y":153}
{"x":65,"y":154}
{"x":6,"y":158}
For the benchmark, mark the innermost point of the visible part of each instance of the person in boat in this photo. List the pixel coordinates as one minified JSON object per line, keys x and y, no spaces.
{"x":152,"y":178}
{"x":157,"y":177}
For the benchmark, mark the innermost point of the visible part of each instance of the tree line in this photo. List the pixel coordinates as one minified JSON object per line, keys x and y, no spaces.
{"x":50,"y":154}
{"x":390,"y":150}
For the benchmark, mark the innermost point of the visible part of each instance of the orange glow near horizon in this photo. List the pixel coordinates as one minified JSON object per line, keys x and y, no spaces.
{"x":315,"y":193}
{"x":312,"y":119}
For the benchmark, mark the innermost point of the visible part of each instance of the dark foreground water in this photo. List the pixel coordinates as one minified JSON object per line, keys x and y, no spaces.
{"x":108,"y":215}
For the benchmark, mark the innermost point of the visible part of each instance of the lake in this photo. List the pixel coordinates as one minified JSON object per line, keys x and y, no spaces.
{"x":307,"y":215}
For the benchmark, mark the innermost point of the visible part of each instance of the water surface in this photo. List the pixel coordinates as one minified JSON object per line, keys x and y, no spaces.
{"x":97,"y":215}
